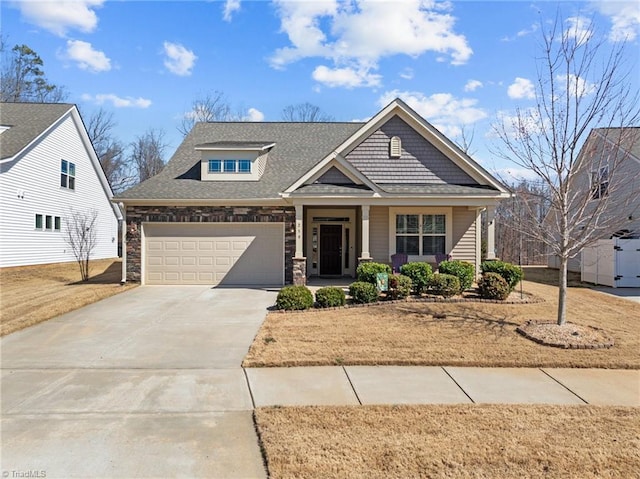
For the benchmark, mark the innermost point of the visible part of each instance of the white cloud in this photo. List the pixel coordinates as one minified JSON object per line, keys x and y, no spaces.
{"x":356,"y":34}
{"x":577,"y":87}
{"x":525,"y":122}
{"x":578,"y":29}
{"x":407,"y":73}
{"x":230,"y":6}
{"x":179,"y":60}
{"x":625,"y":19}
{"x":522,"y":88}
{"x":254,"y":114}
{"x":116,"y":101}
{"x":61,"y":15}
{"x":473,"y":85}
{"x":86,"y":57}
{"x":446,"y":112}
{"x":345,"y":77}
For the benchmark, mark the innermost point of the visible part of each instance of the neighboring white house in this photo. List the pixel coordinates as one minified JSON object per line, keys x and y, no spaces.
{"x":48,"y":168}
{"x":620,"y":146}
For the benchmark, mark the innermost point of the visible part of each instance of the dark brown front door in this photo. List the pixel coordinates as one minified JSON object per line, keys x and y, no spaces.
{"x":331,"y":249}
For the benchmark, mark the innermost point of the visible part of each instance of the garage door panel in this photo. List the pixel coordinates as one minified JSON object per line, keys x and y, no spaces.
{"x":214,"y":253}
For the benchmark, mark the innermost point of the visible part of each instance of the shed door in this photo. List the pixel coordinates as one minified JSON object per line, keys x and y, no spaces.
{"x":214,"y":253}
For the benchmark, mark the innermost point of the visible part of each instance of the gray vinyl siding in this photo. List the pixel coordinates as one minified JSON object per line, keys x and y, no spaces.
{"x":379,"y":233}
{"x":333,"y":176}
{"x":420,"y":162}
{"x":464,"y":234}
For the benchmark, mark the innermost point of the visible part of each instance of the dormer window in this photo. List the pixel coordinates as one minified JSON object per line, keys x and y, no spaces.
{"x":229,"y":166}
{"x":233,"y":161}
{"x":395,"y":147}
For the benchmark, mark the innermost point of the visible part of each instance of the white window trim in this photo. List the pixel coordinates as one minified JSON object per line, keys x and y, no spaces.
{"x":447,"y":211}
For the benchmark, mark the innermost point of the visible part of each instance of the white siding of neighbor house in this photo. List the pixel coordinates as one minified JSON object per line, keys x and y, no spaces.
{"x":464,"y":234}
{"x":36,"y":177}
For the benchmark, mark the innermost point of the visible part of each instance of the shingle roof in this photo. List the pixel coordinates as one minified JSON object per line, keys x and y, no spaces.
{"x":298,"y":147}
{"x":437,"y":189}
{"x":27,"y":121}
{"x":327,"y":189}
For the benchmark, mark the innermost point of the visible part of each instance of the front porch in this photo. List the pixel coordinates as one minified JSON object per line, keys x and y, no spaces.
{"x":331,"y":240}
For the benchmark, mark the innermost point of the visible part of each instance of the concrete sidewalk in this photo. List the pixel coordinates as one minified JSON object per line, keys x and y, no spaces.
{"x":355,"y":385}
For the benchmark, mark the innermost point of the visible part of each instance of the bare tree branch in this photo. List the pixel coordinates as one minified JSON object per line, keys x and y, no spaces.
{"x":82,"y":236}
{"x":210,"y":107}
{"x":578,"y":128}
{"x":305,"y":112}
{"x":147,"y":154}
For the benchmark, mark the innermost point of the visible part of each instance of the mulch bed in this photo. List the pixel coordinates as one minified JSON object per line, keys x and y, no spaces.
{"x":567,"y":336}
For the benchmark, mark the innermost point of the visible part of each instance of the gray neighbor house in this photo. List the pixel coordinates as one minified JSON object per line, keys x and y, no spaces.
{"x":243,"y":203}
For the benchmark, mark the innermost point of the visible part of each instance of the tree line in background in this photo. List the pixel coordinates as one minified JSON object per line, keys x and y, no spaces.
{"x":22,"y":79}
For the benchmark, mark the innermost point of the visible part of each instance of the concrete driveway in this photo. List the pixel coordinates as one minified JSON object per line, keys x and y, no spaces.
{"x":147,"y":383}
{"x":632,"y":294}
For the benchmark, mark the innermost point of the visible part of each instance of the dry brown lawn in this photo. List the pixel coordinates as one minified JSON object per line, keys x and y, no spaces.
{"x":32,"y":294}
{"x":462,"y":441}
{"x":473,"y":334}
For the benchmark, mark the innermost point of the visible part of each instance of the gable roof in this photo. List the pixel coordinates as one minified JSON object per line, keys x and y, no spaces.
{"x":625,"y":138}
{"x":26,"y":122}
{"x":29,"y":122}
{"x":399,"y":108}
{"x":298,"y":146}
{"x":298,"y":154}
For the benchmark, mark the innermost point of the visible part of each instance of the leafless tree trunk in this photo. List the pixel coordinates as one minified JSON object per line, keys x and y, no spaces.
{"x":110,"y":151}
{"x":581,"y":85}
{"x":81,"y":235}
{"x":305,"y":112}
{"x":147,"y":154}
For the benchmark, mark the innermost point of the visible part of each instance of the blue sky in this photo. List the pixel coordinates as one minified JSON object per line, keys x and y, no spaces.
{"x":459,"y":63}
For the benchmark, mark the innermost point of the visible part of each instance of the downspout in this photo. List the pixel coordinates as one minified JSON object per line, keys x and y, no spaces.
{"x":124,"y":243}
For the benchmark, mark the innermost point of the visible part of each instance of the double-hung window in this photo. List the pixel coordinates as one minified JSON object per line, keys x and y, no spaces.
{"x":421,"y":234}
{"x":599,"y":183}
{"x":68,"y":175}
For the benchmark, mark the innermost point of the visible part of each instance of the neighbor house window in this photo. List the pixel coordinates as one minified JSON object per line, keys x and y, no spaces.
{"x":56,"y":223}
{"x":38,"y":222}
{"x":48,"y":222}
{"x":229,"y":166}
{"x":68,"y":175}
{"x":421,"y":235}
{"x":215,"y":166}
{"x":599,"y":183}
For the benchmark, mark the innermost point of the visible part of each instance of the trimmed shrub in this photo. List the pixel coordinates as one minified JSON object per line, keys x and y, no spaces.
{"x":363,"y":292}
{"x":445,"y":285}
{"x":399,"y":286}
{"x":294,"y":297}
{"x":330,"y":297}
{"x":420,"y":274}
{"x":462,"y":270}
{"x":493,"y":286}
{"x":367,"y":271}
{"x":511,"y":273}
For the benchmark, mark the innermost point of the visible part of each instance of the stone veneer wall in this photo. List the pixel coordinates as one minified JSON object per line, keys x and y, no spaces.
{"x":136,"y":215}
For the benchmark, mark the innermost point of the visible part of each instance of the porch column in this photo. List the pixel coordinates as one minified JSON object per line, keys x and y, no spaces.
{"x":299,"y":235}
{"x":491,"y":232}
{"x":365,"y":255}
{"x":299,"y":261}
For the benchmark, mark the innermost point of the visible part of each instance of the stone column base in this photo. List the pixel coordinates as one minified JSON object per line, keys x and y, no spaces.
{"x":300,"y":271}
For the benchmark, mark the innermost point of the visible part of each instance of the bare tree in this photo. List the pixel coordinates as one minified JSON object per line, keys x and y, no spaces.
{"x":110,"y":151}
{"x":22,"y":78}
{"x":81,"y":235}
{"x":210,"y":107}
{"x":306,"y":112}
{"x":147,"y":154}
{"x":466,"y":140}
{"x":530,"y":202}
{"x":582,"y":84}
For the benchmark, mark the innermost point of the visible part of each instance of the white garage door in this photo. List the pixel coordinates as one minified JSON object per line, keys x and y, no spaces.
{"x":214,"y":253}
